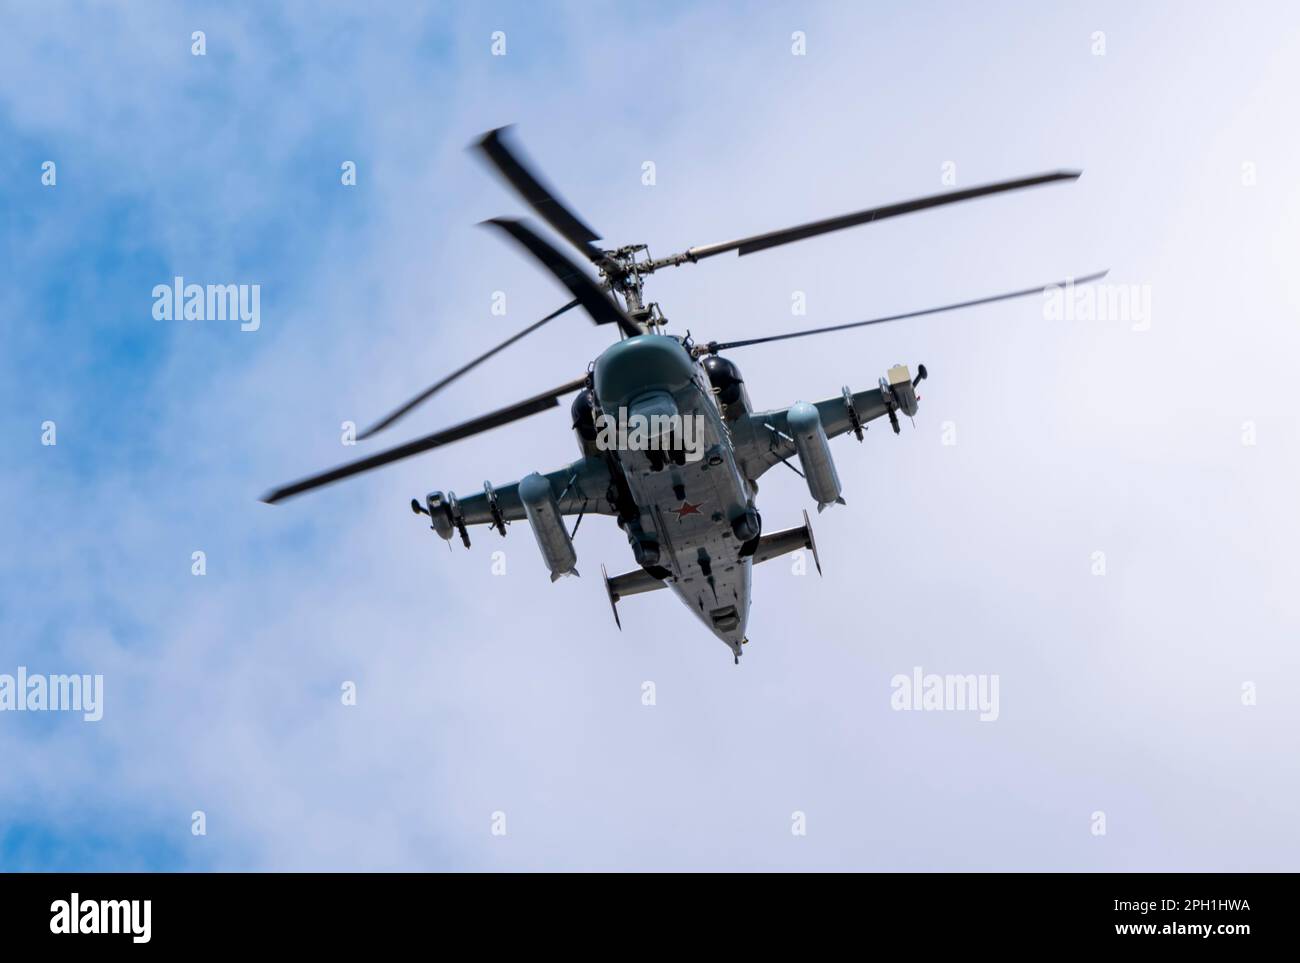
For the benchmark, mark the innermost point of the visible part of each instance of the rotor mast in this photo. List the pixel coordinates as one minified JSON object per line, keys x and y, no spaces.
{"x":622,"y":271}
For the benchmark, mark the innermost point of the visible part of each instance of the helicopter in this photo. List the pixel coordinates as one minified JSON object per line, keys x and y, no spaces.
{"x":670,"y":446}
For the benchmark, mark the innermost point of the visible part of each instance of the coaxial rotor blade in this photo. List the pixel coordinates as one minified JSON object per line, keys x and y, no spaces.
{"x":761,"y":242}
{"x":715,"y":346}
{"x":595,"y":302}
{"x":502,"y":416}
{"x":538,"y":195}
{"x":433,"y":389}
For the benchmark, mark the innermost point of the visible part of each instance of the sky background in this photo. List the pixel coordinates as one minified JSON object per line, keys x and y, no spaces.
{"x":482,"y":693}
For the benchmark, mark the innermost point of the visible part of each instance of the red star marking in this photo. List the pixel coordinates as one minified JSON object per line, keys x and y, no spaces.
{"x":687,"y":509}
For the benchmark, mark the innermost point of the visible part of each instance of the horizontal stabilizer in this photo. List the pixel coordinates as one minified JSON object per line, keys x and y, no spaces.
{"x":630,"y":583}
{"x":791,"y":540}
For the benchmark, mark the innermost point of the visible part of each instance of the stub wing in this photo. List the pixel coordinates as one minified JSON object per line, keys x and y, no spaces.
{"x":776,"y":544}
{"x":582,"y":487}
{"x":765,"y":438}
{"x":635,"y":582}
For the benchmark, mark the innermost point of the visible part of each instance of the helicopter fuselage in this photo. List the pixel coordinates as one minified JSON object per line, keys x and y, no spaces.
{"x":672,"y":450}
{"x":693,"y":523}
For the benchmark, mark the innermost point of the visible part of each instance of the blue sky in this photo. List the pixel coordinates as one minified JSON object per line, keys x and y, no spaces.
{"x":482,"y":693}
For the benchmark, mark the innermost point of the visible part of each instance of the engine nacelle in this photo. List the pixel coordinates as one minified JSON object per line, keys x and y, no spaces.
{"x":583,"y":412}
{"x":728,"y":385}
{"x":547,"y":523}
{"x":805,"y":424}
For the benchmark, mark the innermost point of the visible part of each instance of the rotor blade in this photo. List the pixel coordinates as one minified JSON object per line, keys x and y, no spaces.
{"x":502,"y":416}
{"x":1087,"y":278}
{"x":761,"y":242}
{"x":539,"y":196}
{"x":596,"y":302}
{"x":433,"y":389}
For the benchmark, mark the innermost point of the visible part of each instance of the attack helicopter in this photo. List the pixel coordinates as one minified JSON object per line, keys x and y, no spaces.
{"x":670,"y":446}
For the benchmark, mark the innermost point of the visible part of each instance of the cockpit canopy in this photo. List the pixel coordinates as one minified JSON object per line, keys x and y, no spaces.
{"x":648,"y":362}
